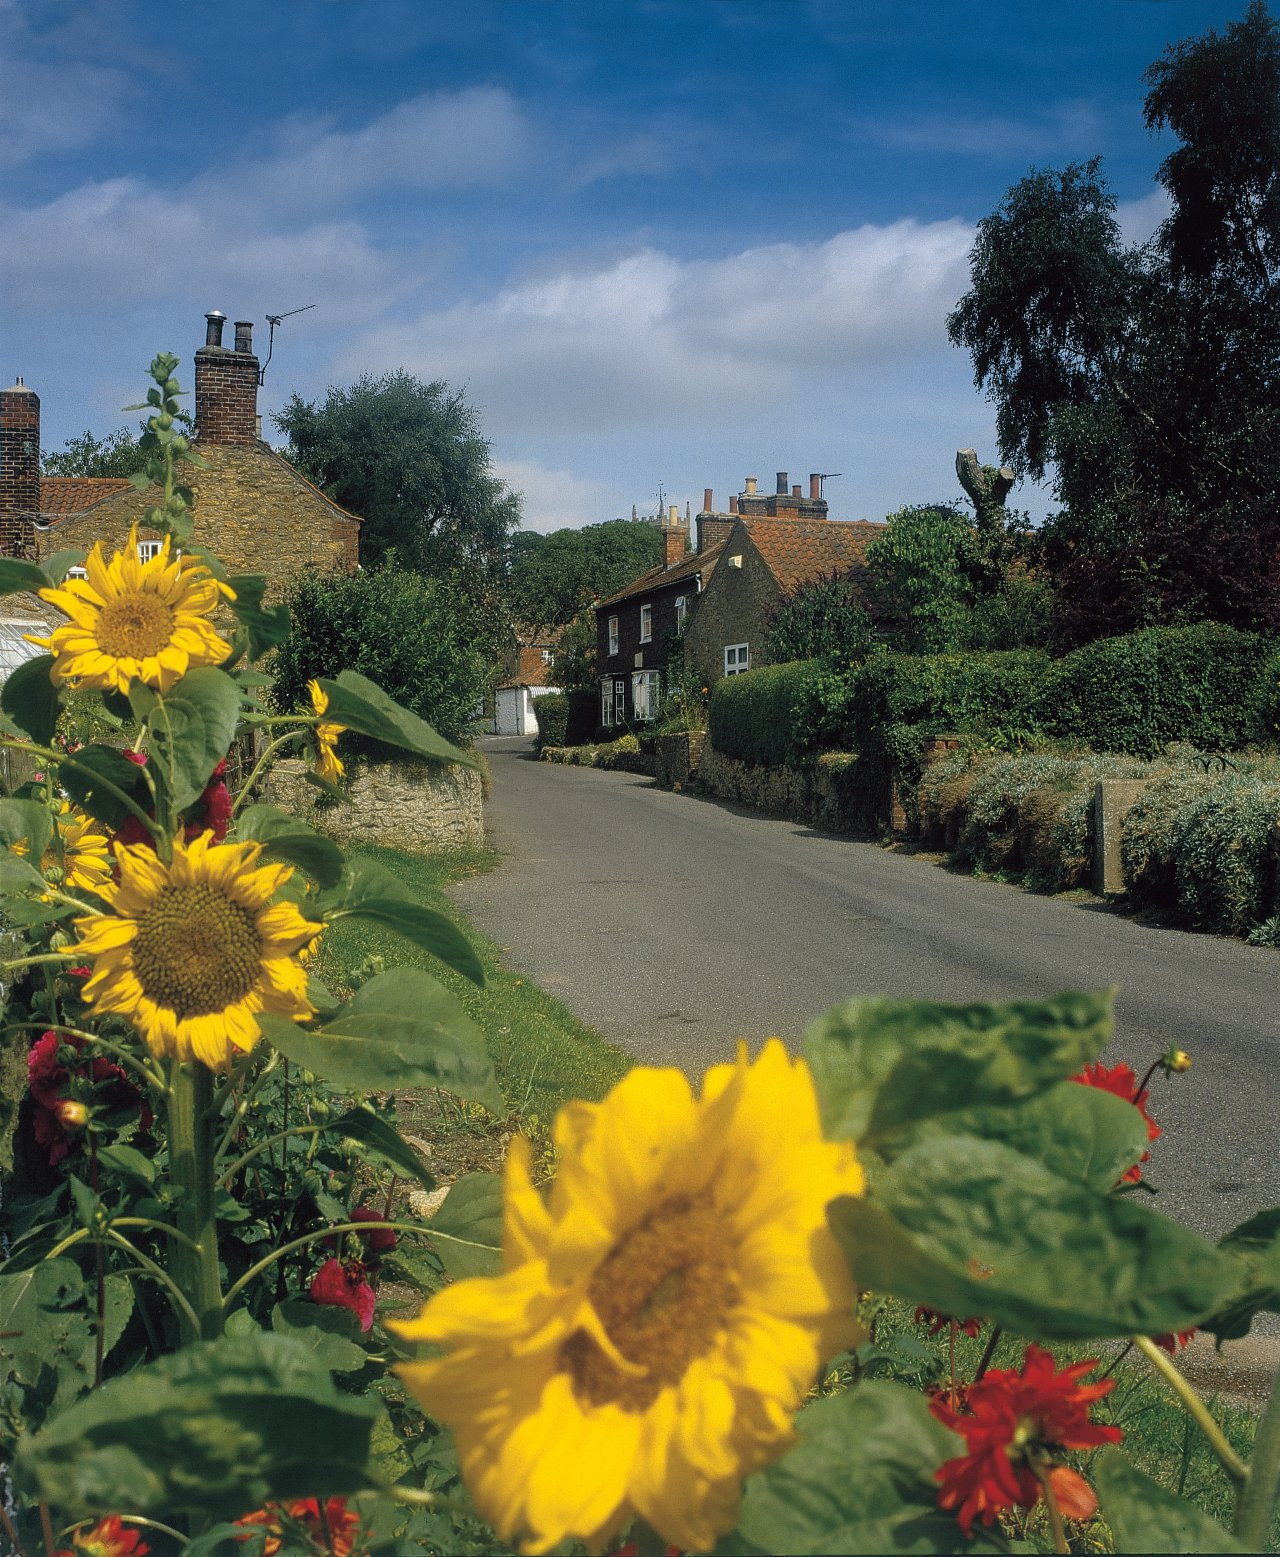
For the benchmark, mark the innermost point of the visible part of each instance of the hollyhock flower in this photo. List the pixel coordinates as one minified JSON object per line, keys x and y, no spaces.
{"x":1121,"y":1082}
{"x":108,"y":1538}
{"x":1013,"y":1423}
{"x":47,"y":1077}
{"x":380,"y":1240}
{"x":939,"y":1322}
{"x":336,"y":1529}
{"x":210,"y":811}
{"x":344,"y":1286}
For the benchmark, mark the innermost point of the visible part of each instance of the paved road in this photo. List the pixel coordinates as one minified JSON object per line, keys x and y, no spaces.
{"x":676,"y":924}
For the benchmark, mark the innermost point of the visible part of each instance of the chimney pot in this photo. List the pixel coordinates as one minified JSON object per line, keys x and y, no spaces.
{"x":707,"y":495}
{"x":795,"y":490}
{"x":733,"y":503}
{"x":214,"y":320}
{"x":815,"y":487}
{"x":673,"y":514}
{"x":782,"y":475}
{"x":244,"y":335}
{"x":751,"y":486}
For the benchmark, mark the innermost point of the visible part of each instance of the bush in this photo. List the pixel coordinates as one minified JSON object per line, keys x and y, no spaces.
{"x":613,"y":754}
{"x":824,"y":619}
{"x":1209,"y":685}
{"x":552,"y":709}
{"x":754,"y":716}
{"x":1226,"y":863}
{"x":410,"y":634}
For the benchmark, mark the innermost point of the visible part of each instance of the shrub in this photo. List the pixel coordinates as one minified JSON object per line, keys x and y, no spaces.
{"x":824,"y":619}
{"x":552,"y":709}
{"x":412,"y":635}
{"x":613,"y":754}
{"x":754,"y":715}
{"x":1225,"y":864}
{"x":1149,"y":835}
{"x":1210,"y":685}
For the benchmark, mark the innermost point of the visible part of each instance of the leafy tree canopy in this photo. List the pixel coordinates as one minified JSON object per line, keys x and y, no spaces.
{"x":410,"y":459}
{"x":823,"y":619}
{"x":553,"y":576}
{"x":574,"y":666}
{"x":115,"y":455}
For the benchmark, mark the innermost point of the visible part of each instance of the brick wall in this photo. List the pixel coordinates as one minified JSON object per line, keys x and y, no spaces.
{"x":226,"y":396}
{"x":623,"y":663}
{"x":733,"y":608}
{"x":19,"y":470}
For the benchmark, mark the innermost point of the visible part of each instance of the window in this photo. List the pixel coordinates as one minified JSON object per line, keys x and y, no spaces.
{"x":149,"y":549}
{"x":546,"y":656}
{"x":613,"y":635}
{"x":646,"y":624}
{"x":606,"y":702}
{"x":682,"y":612}
{"x":77,"y":573}
{"x":644,"y":693}
{"x":736,"y":659}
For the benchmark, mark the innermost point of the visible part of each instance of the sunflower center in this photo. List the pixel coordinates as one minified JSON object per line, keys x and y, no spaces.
{"x":135,"y":626}
{"x":196,"y":951}
{"x":662,"y":1295}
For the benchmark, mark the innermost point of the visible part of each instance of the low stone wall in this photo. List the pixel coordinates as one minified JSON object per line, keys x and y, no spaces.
{"x":678,"y":757}
{"x":426,"y":808}
{"x":820,"y":794}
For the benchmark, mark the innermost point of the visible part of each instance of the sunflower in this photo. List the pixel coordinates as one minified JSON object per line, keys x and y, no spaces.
{"x":328,"y":763}
{"x":192,"y":951}
{"x":658,"y":1319}
{"x":135,"y":621}
{"x":82,"y":861}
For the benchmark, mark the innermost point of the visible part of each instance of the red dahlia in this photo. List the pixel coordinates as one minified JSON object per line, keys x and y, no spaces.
{"x":1013,"y":1422}
{"x":1121,"y":1082}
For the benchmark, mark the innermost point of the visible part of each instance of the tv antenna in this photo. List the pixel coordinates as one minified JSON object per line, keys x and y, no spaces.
{"x":823,"y":477}
{"x":662,"y":504}
{"x":273,"y":320}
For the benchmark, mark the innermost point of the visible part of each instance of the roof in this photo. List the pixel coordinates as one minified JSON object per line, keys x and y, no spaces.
{"x":73,"y":494}
{"x":796,"y":551}
{"x":531,"y":670}
{"x":695,"y":563}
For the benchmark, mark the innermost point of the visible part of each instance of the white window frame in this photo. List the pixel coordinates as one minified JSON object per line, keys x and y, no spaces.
{"x":77,"y":573}
{"x":644,"y":695}
{"x":646,"y":624}
{"x":737,"y":658}
{"x":149,"y":549}
{"x":613,"y":635}
{"x":682,"y":612}
{"x":606,"y":702}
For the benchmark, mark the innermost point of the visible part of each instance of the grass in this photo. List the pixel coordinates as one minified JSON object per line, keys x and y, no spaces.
{"x":542,"y":1054}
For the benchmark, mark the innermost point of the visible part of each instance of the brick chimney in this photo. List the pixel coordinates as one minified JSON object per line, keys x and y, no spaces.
{"x":19,"y":470}
{"x":675,"y":538}
{"x":227,"y":385}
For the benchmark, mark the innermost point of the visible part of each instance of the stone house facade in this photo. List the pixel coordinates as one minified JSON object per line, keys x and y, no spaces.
{"x":635,"y":626}
{"x":252,"y":508}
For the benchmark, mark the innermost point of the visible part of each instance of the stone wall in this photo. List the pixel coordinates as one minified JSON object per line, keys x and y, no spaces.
{"x":733,"y":608}
{"x":428,"y":809}
{"x":821,"y":795}
{"x":678,"y":756}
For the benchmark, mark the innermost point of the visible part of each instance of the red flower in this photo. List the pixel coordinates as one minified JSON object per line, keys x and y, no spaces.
{"x":1011,"y":1421}
{"x":1121,"y":1082}
{"x":939,"y":1322}
{"x":210,"y":811}
{"x":108,"y":1538}
{"x":1176,"y":1340}
{"x":345,"y":1287}
{"x":47,"y":1077}
{"x":334,"y":1530}
{"x":380,"y":1240}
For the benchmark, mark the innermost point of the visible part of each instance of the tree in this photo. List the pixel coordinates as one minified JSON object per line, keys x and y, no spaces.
{"x":573,"y":664}
{"x":1147,"y":380}
{"x":919,"y":578}
{"x":410,"y":459}
{"x":824,"y":618}
{"x":115,"y":455}
{"x":552,"y":576}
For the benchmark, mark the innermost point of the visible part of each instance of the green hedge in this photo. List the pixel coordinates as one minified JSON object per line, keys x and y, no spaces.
{"x":997,"y":691}
{"x":756,"y":717}
{"x":552,"y":710}
{"x":1210,"y":685}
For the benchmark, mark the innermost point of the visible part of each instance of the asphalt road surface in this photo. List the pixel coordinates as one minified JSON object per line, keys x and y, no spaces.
{"x":677,"y":924}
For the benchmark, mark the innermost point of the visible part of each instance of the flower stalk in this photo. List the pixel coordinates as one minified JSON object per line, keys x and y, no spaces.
{"x":1257,"y":1497}
{"x":1203,"y":1417}
{"x":195,"y":1262}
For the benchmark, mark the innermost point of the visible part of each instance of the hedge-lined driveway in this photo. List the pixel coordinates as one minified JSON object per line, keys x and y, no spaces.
{"x":676,"y":924}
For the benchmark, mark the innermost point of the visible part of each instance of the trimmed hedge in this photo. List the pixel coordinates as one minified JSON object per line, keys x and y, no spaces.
{"x":552,"y":710}
{"x":761,"y":716}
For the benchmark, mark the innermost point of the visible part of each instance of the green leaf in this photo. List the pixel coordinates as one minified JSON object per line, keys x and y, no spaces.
{"x":814,"y":1501}
{"x":883,"y":1065}
{"x":382,"y":1142}
{"x":17,"y":575}
{"x":1079,"y":1132}
{"x":117,"y":1308}
{"x":267,"y":626}
{"x":192,"y":727}
{"x":402,"y":1029}
{"x":129,"y":1161}
{"x":59,"y":563}
{"x":83,"y":775}
{"x":1255,"y":1244}
{"x":17,"y":876}
{"x":1144,"y":1517}
{"x":425,"y":927}
{"x":471,"y":1215}
{"x":40,"y":1318}
{"x":329,"y":1334}
{"x":27,"y":822}
{"x":967,"y":1226}
{"x":30,"y":698}
{"x":284,"y":837}
{"x":358,"y":704}
{"x":211,"y":1430}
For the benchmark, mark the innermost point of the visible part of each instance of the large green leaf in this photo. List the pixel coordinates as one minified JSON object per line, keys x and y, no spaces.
{"x":328,"y":1333}
{"x":1080,"y":1132}
{"x":371,"y":891}
{"x":967,"y":1226}
{"x":42,"y":1319}
{"x":17,"y":575}
{"x":26,"y":822}
{"x":1145,"y":1517}
{"x":83,"y":776}
{"x":30,"y":698}
{"x":383,"y":1143}
{"x":471,"y":1216}
{"x":881,"y":1065}
{"x":267,"y":626}
{"x":861,"y":1479}
{"x":358,"y":704}
{"x":192,"y":727}
{"x":284,"y":837}
{"x":1255,"y":1244}
{"x":59,"y":563}
{"x":16,"y":875}
{"x":402,"y":1029}
{"x":214,"y":1429}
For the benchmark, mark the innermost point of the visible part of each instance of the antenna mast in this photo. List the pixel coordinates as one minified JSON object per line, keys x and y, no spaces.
{"x":273,"y":320}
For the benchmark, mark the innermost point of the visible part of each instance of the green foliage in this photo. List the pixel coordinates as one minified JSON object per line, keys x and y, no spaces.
{"x":573,"y":663}
{"x":919,"y":578}
{"x":192,"y":728}
{"x":758,"y":717}
{"x":1145,"y":1517}
{"x":117,"y":454}
{"x":552,"y":577}
{"x":1225,"y":855}
{"x":407,"y":634}
{"x":553,"y":720}
{"x":824,"y":619}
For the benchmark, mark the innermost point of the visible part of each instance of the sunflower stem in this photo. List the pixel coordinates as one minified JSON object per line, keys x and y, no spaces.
{"x":1163,"y":1364}
{"x":262,"y":762}
{"x":191,"y":1154}
{"x":1258,"y":1495}
{"x":63,"y":760}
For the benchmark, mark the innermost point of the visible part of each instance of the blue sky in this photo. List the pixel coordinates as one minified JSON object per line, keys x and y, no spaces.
{"x":674,"y":242}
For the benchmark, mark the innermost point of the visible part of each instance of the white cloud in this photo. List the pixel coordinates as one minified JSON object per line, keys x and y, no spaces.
{"x":1058,"y":126}
{"x":557,"y":499}
{"x":1139,"y":218}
